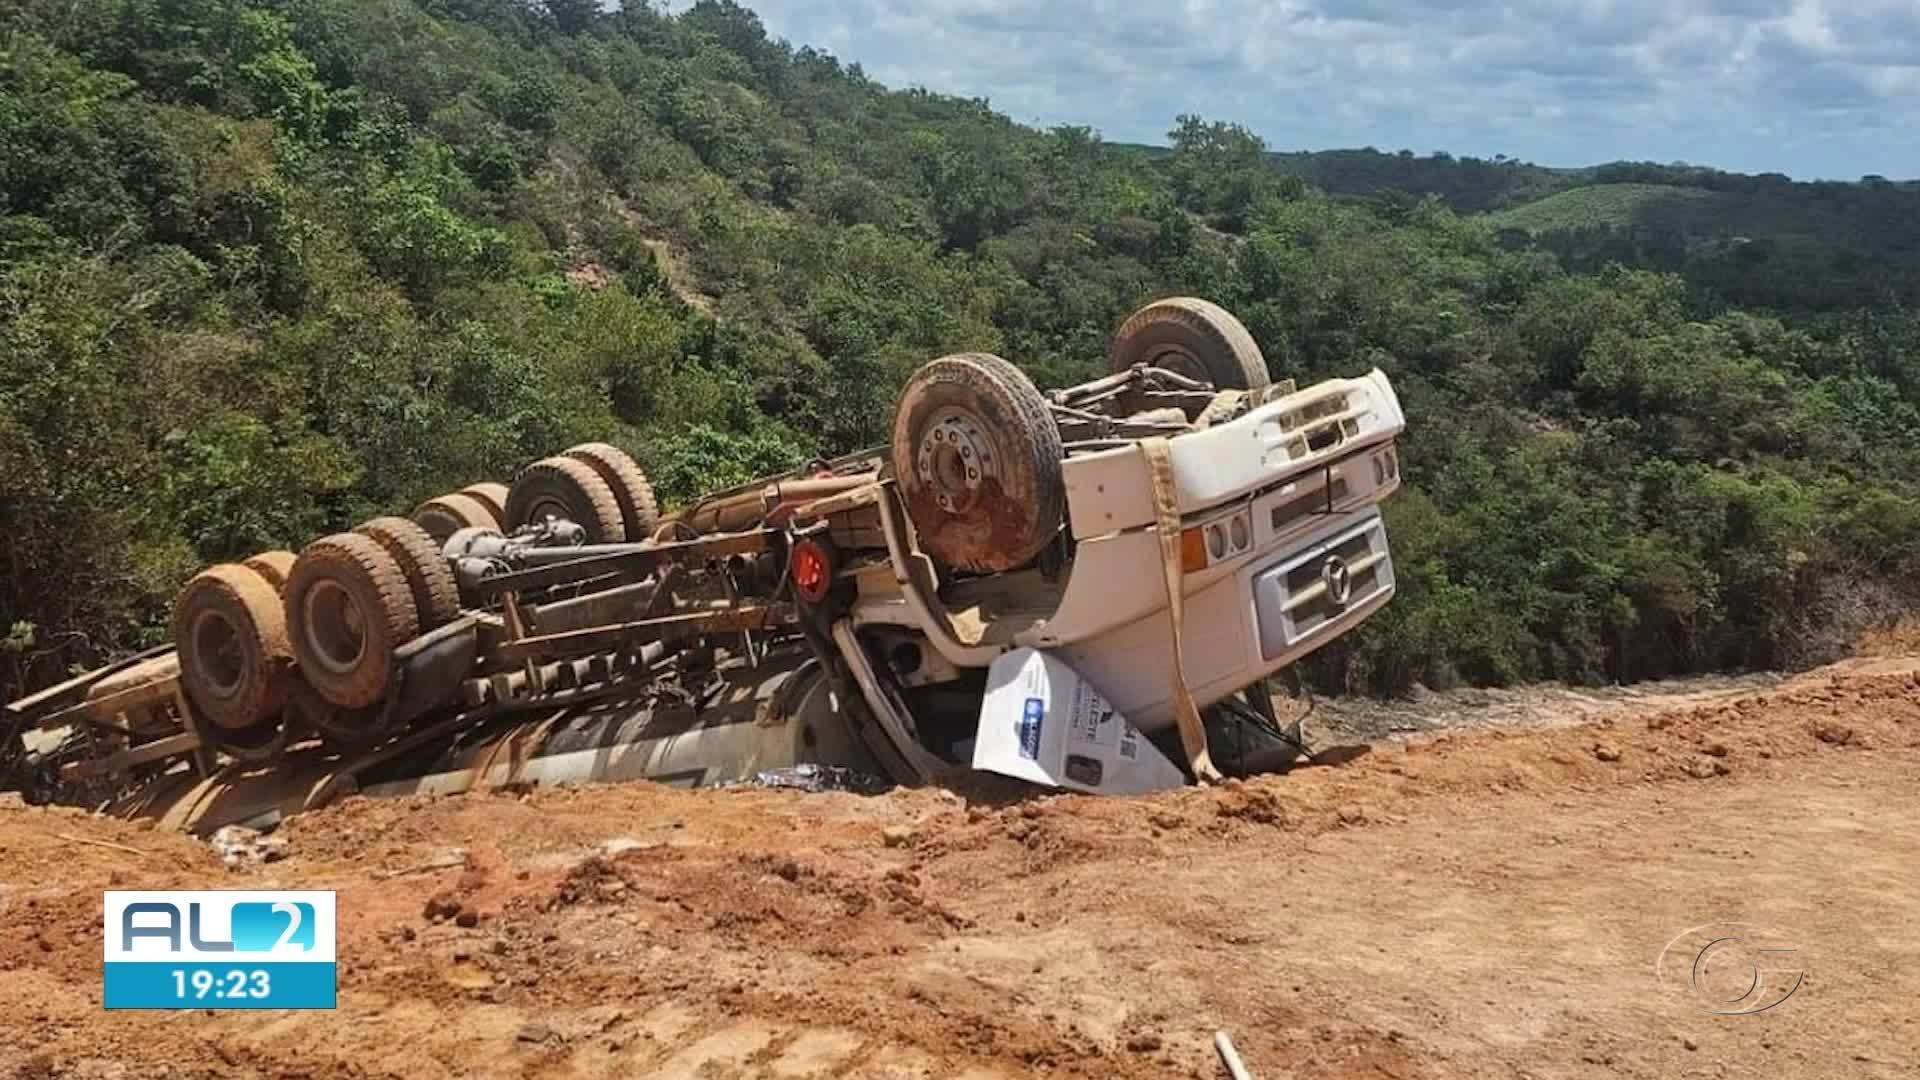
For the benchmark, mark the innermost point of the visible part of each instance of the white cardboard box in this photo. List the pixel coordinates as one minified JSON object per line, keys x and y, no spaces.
{"x":1041,"y":721}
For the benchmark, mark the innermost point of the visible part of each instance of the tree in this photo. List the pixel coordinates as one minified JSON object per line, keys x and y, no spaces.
{"x":573,"y":16}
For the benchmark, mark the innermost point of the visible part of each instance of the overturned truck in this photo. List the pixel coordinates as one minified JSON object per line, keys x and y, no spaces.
{"x":1084,"y":587}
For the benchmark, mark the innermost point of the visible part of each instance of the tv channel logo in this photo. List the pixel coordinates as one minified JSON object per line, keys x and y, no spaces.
{"x":219,"y":949}
{"x":1032,"y":716}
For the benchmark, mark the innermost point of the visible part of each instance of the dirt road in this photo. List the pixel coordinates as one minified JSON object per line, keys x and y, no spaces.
{"x":1467,"y":905}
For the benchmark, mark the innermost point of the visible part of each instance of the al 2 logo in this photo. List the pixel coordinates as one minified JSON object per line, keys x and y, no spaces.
{"x":259,"y":927}
{"x":219,"y":949}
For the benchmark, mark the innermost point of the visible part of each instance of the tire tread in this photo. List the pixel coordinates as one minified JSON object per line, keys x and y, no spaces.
{"x":1220,"y":341}
{"x":639,"y":510}
{"x":374,"y":578}
{"x":436,"y":598}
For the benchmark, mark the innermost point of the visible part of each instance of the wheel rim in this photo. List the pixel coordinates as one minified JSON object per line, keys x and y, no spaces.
{"x":440,"y":522}
{"x":217,"y":653}
{"x":1181,"y":362}
{"x":546,"y":506}
{"x":954,"y":458}
{"x":336,"y":627}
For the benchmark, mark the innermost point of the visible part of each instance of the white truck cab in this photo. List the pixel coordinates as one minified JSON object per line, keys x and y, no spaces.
{"x":1281,"y":548}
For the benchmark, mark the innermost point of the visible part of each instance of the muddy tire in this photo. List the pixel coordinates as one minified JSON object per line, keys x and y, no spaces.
{"x":448,"y":514}
{"x":564,"y":488}
{"x":1191,"y":337}
{"x":231,"y":635}
{"x":639,"y":511}
{"x":274,"y":566}
{"x":348,"y":607}
{"x":977,"y":458}
{"x":435,"y":596}
{"x":491,"y":496}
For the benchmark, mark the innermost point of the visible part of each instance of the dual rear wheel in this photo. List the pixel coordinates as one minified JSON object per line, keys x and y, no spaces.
{"x":265,"y":644}
{"x":308,"y":641}
{"x":597,"y":486}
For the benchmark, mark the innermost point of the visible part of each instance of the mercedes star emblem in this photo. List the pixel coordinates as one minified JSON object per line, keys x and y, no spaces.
{"x":1338,"y":579}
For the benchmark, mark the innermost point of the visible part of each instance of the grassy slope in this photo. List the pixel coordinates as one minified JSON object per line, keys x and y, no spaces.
{"x":1595,"y":205}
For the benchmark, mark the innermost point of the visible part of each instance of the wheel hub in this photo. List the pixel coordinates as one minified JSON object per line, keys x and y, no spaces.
{"x":217,"y":653}
{"x":1181,"y":362}
{"x":544,"y":509}
{"x":954,"y":458}
{"x":336,"y":626}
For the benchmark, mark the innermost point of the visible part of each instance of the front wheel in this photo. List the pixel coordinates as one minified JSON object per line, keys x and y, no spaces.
{"x":1191,"y":337}
{"x":977,"y":457}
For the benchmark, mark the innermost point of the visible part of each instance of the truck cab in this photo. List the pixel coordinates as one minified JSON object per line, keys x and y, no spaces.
{"x":1282,"y":548}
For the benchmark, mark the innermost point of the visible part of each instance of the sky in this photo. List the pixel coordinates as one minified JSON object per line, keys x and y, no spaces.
{"x":1818,"y":89}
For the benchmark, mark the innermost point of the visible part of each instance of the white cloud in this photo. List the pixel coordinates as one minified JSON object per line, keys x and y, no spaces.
{"x":1557,"y":81}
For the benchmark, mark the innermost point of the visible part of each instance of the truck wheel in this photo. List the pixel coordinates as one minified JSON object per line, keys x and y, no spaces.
{"x":448,"y":514}
{"x":348,"y":607}
{"x":977,"y":457}
{"x":272,"y":565}
{"x":1191,"y":337}
{"x":639,"y":511}
{"x":435,"y":597}
{"x":231,"y":634}
{"x":492,"y":496}
{"x":564,"y":488}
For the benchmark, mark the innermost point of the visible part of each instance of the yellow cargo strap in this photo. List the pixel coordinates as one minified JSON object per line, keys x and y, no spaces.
{"x":1166,"y":514}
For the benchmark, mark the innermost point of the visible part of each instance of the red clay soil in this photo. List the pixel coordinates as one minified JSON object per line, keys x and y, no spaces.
{"x":1474,"y":905}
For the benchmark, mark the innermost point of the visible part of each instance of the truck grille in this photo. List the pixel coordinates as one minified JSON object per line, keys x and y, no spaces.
{"x":1299,"y":598}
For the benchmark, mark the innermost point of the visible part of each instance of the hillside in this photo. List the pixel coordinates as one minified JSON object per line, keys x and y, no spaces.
{"x":268,"y":267}
{"x":1468,"y":184}
{"x":1767,"y":241}
{"x":1595,"y":206}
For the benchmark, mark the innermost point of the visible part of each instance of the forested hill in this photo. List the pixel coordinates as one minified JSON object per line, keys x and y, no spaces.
{"x":1768,"y":241}
{"x":1468,"y":184}
{"x":268,"y":267}
{"x":1762,"y":241}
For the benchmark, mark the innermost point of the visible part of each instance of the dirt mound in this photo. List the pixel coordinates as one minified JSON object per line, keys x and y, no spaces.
{"x":1898,"y":639}
{"x":1454,"y":905}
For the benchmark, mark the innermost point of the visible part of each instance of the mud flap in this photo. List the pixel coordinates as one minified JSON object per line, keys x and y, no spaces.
{"x":1041,"y":721}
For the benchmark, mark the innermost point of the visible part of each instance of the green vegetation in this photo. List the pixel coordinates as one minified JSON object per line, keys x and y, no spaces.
{"x":268,"y":267}
{"x":1603,"y":205}
{"x":1809,"y":249}
{"x":1468,"y":184}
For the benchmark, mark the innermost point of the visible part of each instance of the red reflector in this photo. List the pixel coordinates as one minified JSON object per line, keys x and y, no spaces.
{"x":812,"y":568}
